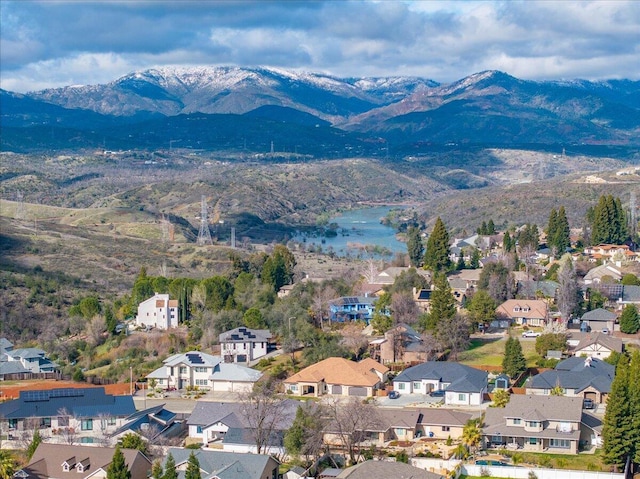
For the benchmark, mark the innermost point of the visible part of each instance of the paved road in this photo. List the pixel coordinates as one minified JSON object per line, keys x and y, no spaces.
{"x":177,"y":404}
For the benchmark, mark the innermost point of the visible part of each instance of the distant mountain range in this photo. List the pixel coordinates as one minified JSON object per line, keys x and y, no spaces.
{"x":249,"y":109}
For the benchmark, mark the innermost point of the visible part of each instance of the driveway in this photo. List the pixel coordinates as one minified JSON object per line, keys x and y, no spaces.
{"x":409,"y":400}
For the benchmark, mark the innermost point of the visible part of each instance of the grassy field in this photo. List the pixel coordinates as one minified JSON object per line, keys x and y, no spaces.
{"x":490,"y":351}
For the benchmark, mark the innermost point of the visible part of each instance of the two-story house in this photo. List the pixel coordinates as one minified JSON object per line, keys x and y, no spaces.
{"x":529,"y":312}
{"x":14,"y":363}
{"x":222,"y":464}
{"x":536,"y":424}
{"x":158,"y":312}
{"x":202,"y":370}
{"x":244,"y":345}
{"x":352,"y":308}
{"x":86,"y":415}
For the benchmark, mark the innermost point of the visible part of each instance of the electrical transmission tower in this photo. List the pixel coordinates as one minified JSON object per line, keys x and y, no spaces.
{"x":204,"y":235}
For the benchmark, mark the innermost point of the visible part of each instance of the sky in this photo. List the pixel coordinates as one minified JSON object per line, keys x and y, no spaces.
{"x":52,"y":43}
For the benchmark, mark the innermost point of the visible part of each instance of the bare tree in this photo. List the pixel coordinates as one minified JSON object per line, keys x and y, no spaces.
{"x":371,"y":270}
{"x":68,"y":426}
{"x":264,"y":412}
{"x":429,"y":345}
{"x":320,"y":304}
{"x":353,"y":339}
{"x":103,"y":424}
{"x":568,"y":290}
{"x":96,"y":329}
{"x":29,"y":427}
{"x":350,"y":420}
{"x":404,"y":308}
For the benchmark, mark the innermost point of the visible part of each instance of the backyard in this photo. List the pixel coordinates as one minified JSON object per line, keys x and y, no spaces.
{"x":490,"y":351}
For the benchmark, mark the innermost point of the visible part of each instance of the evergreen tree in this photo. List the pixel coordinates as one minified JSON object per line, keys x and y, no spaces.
{"x":513,"y":362}
{"x":608,"y":221}
{"x":474,"y":263}
{"x":491,"y":228}
{"x":616,"y":430}
{"x":415,"y":248}
{"x":552,"y":226}
{"x":569,"y":294}
{"x":193,"y":468}
{"x":481,"y":307}
{"x":110,"y":320}
{"x":156,"y":470}
{"x":562,"y":236}
{"x":634,"y":404}
{"x":460,"y":265}
{"x":507,"y":243}
{"x":170,"y":468}
{"x":482,"y":230}
{"x":118,"y":469}
{"x":630,"y":320}
{"x":443,"y":303}
{"x":35,"y":442}
{"x":436,"y":257}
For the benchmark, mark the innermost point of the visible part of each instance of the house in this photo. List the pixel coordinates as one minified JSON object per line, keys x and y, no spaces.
{"x":535,"y":424}
{"x":86,"y":414}
{"x":630,"y":295}
{"x":202,"y":370}
{"x":586,"y":378}
{"x":154,"y":423}
{"x":463,"y":385}
{"x":610,"y":252}
{"x":384,"y":470}
{"x":352,"y":308}
{"x":529,"y":312}
{"x":158,"y":312}
{"x":422,"y":298}
{"x":599,"y":319}
{"x":15,"y":363}
{"x":400,"y":344}
{"x":244,"y":345}
{"x":440,"y":423}
{"x":226,"y":465}
{"x":389,"y":425}
{"x":340,"y":377}
{"x":227,"y":424}
{"x":597,"y":345}
{"x":64,"y":461}
{"x":389,"y":275}
{"x":463,"y":283}
{"x":595,"y":275}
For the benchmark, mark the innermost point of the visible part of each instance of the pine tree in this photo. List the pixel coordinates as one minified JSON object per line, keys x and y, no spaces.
{"x":460,"y":265}
{"x":118,"y":468}
{"x":608,"y":221}
{"x":568,"y":296}
{"x":491,"y":228}
{"x":507,"y":243}
{"x":193,"y":468}
{"x":562,"y":237}
{"x":634,"y":404}
{"x":170,"y":468}
{"x":630,"y":320}
{"x":616,"y":430}
{"x":475,"y":259}
{"x":436,"y":257}
{"x":415,"y":248}
{"x":35,"y":442}
{"x":156,"y":470}
{"x":552,"y":226}
{"x":513,"y":362}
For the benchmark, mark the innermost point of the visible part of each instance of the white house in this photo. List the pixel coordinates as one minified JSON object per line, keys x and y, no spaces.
{"x":243,"y":345}
{"x":202,"y":370}
{"x":462,"y":385}
{"x":158,"y":312}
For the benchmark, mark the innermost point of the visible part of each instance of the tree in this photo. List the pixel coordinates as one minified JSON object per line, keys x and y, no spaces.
{"x":497,"y":280}
{"x":474,"y":263}
{"x":634,"y":404}
{"x":35,"y":442}
{"x":501,"y":398}
{"x":156,"y":470}
{"x":481,"y":307}
{"x":472,"y":433}
{"x":630,"y":320}
{"x":608,"y":221}
{"x":7,"y":464}
{"x":616,"y":429}
{"x":118,"y":469}
{"x":436,"y":257}
{"x":253,"y":319}
{"x":568,"y":298}
{"x":551,"y":341}
{"x":170,"y":468}
{"x":513,"y":362}
{"x":349,"y":421}
{"x":630,"y":279}
{"x":278,"y":268}
{"x":528,"y":242}
{"x":507,"y":243}
{"x":131,"y":440}
{"x":415,"y":248}
{"x":193,"y":468}
{"x":304,"y":437}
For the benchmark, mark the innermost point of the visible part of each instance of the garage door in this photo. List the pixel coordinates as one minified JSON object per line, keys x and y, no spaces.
{"x":358,"y":392}
{"x":336,"y":389}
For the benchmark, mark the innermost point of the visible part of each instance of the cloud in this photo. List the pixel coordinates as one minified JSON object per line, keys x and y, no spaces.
{"x":444,"y":41}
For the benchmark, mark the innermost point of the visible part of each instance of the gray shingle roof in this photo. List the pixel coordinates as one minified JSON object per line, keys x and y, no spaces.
{"x":576,"y":373}
{"x":207,"y":413}
{"x":193,"y":358}
{"x":226,"y":465}
{"x":386,"y":470}
{"x":242,"y":335}
{"x":234,"y":372}
{"x":461,"y":378}
{"x":599,"y":314}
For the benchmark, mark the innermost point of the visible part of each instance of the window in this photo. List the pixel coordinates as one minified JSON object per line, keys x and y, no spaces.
{"x":416,"y":385}
{"x":183,"y":370}
{"x":532,"y":424}
{"x":517,"y":421}
{"x":462,"y":397}
{"x":86,"y":440}
{"x":201,"y":382}
{"x":533,"y":441}
{"x":446,"y":428}
{"x":63,"y":421}
{"x":45,"y":422}
{"x":200,"y":369}
{"x":111,"y":421}
{"x":400,"y":386}
{"x":294,"y":387}
{"x":13,"y":423}
{"x":86,"y":424}
{"x":560,"y":443}
{"x":199,"y":429}
{"x":65,"y":467}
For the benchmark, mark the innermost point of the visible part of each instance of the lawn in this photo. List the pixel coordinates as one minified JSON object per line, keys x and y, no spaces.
{"x":490,"y":351}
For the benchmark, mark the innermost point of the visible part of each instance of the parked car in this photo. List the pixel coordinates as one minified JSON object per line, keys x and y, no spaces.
{"x":588,"y":404}
{"x":530,"y":334}
{"x":438,"y":393}
{"x":393,"y":395}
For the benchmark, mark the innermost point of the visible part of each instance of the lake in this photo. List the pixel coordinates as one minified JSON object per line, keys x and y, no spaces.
{"x":357,"y":228}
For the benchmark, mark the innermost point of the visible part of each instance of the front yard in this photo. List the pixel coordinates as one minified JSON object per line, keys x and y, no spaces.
{"x":490,"y":351}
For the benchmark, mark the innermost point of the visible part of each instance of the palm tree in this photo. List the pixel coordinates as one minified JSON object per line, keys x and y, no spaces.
{"x":7,"y":465}
{"x":472,"y":433}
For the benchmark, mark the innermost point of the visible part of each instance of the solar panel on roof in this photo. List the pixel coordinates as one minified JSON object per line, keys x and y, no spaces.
{"x":35,"y":396}
{"x":66,"y":393}
{"x":195,"y":358}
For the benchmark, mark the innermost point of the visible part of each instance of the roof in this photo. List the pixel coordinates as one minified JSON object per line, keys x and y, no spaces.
{"x":12,"y":367}
{"x":79,"y":402}
{"x":242,"y":335}
{"x":576,"y":373}
{"x":385,"y":470}
{"x":193,"y":358}
{"x":347,"y":300}
{"x":443,"y":417}
{"x":5,"y":344}
{"x":234,"y":372}
{"x":609,"y":342}
{"x":244,"y":436}
{"x":27,"y":353}
{"x":160,"y":419}
{"x":48,"y":459}
{"x":592,"y":422}
{"x":631,"y":294}
{"x":341,"y":371}
{"x":599,"y":272}
{"x":460,"y":378}
{"x":599,"y":314}
{"x":226,"y":465}
{"x":529,"y":288}
{"x":207,"y":413}
{"x":395,"y":418}
{"x":523,"y":308}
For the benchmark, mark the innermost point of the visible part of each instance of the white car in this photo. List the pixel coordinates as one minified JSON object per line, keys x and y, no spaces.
{"x":530,"y":334}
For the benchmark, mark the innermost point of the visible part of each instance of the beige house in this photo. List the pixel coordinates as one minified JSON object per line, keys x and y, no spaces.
{"x":597,"y":345}
{"x":63,"y":461}
{"x":442,"y":423}
{"x":524,"y":312}
{"x":338,"y":377}
{"x":388,"y":425}
{"x":401,"y":344}
{"x":531,"y":423}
